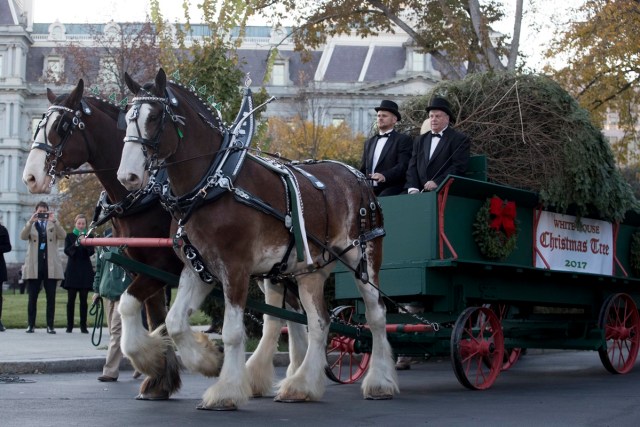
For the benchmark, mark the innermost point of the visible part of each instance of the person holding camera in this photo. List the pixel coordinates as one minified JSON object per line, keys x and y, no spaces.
{"x":78,"y":277}
{"x":42,"y":266}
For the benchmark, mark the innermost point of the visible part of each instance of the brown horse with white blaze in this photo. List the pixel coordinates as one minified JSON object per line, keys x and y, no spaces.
{"x":76,"y":130}
{"x":245,"y":230}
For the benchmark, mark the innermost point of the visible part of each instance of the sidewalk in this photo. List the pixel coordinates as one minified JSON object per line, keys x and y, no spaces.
{"x":22,"y":353}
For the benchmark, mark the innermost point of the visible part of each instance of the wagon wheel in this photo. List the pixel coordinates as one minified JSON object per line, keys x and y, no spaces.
{"x":511,"y":355}
{"x":620,"y":320}
{"x":345,"y":366}
{"x":477,"y":348}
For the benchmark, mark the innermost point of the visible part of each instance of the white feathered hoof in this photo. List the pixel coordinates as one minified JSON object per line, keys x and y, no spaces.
{"x":298,"y":397}
{"x":223,"y":406}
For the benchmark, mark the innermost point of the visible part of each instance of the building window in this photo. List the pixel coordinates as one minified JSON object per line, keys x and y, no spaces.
{"x":417,"y":60}
{"x":278,"y":74}
{"x":1,"y":66}
{"x":53,"y":68}
{"x":337,"y":120}
{"x":56,"y":31}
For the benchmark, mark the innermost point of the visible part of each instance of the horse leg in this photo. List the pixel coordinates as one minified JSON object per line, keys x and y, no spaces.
{"x":232,"y":388}
{"x":381,"y":380}
{"x":151,"y":354}
{"x":260,"y":368}
{"x":168,"y":382}
{"x":308,"y":381}
{"x":156,"y":309}
{"x":260,"y":365}
{"x":197,"y":352}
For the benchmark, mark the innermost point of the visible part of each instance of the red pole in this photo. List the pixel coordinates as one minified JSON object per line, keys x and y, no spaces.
{"x":133,"y":242}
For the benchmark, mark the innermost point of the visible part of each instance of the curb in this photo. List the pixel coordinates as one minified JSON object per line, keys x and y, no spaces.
{"x":88,"y":364}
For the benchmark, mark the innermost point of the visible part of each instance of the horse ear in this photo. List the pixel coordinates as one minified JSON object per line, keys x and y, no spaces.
{"x":76,"y":95}
{"x":50,"y":95}
{"x":161,"y":81}
{"x":133,"y":86}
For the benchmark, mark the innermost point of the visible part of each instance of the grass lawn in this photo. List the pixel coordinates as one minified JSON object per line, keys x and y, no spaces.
{"x":14,"y":310}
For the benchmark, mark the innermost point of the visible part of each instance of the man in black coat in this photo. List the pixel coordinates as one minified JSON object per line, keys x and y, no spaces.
{"x":386,"y":155}
{"x":440,"y":152}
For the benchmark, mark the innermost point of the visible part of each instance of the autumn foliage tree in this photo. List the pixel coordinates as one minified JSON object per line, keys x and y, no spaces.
{"x":457,"y":33}
{"x":601,"y":66}
{"x":299,"y":139}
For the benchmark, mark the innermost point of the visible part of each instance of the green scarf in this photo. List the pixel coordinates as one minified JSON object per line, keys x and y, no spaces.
{"x":78,"y":232}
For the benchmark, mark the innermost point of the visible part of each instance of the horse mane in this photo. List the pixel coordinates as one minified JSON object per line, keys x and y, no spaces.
{"x":107,"y":107}
{"x":201,"y":106}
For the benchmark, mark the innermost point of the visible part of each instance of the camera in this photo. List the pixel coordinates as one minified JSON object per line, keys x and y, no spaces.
{"x":43,"y":215}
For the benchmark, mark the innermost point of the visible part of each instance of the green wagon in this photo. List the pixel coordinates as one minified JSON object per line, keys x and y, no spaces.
{"x":565,"y":285}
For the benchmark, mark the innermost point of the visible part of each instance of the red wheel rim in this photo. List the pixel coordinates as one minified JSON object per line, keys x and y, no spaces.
{"x":620,"y":320}
{"x":477,"y":348}
{"x":345,"y":365}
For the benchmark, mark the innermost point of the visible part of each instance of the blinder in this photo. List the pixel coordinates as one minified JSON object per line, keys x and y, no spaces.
{"x":154,"y":142}
{"x":64,"y":129}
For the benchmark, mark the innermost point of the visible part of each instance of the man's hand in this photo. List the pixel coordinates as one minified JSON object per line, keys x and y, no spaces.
{"x":430,"y":186}
{"x":378,"y":177}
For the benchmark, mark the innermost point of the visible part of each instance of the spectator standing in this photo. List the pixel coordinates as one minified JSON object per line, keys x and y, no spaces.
{"x":109,"y":283}
{"x":42,"y":267}
{"x":78,"y":277}
{"x":386,"y":155}
{"x":5,"y":246}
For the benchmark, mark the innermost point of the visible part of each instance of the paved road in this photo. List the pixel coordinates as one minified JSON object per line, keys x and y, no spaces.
{"x":564,"y":388}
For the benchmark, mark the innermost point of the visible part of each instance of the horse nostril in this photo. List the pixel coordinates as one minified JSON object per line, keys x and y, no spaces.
{"x":30,"y":178}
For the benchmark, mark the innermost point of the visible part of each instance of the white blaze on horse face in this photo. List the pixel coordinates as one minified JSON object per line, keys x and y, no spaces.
{"x":132,"y":173}
{"x":35,"y":174}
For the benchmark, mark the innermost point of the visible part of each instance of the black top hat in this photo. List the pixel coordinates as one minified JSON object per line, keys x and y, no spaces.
{"x":390,"y":106}
{"x":442,"y":105}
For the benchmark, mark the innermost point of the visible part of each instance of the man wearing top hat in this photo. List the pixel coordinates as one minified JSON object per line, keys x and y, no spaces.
{"x":386,"y":155}
{"x":440,"y":152}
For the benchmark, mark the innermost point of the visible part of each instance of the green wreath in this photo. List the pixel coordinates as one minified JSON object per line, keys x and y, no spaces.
{"x":634,"y":253}
{"x":496,"y":229}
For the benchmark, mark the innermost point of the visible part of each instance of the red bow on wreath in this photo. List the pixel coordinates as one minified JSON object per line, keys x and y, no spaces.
{"x":503,"y":215}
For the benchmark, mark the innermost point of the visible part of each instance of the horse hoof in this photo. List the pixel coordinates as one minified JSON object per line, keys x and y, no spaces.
{"x":160,"y":396}
{"x":228,"y":407}
{"x":379,"y":397}
{"x":290,"y":399}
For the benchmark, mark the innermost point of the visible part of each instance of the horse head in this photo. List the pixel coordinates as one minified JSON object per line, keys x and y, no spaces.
{"x":151,"y":108}
{"x":51,"y":152}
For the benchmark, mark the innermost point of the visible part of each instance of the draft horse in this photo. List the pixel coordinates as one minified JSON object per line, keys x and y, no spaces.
{"x":76,"y":130}
{"x":258,"y":213}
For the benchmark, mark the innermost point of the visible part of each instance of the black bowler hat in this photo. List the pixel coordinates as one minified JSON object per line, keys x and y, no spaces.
{"x":390,"y":106}
{"x":442,"y":105}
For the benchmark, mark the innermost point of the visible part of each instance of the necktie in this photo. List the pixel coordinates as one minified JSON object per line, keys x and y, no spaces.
{"x":436,"y":135}
{"x":384,"y":135}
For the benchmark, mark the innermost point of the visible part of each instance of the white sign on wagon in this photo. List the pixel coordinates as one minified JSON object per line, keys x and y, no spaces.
{"x":564,"y":245}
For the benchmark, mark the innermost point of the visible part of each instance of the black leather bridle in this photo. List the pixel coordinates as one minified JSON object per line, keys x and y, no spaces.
{"x":70,"y":120}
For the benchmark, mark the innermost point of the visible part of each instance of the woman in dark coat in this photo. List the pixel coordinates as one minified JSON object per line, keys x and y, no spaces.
{"x":78,"y":277}
{"x":5,"y":246}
